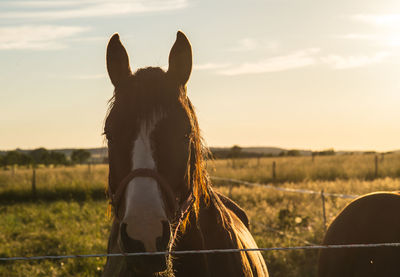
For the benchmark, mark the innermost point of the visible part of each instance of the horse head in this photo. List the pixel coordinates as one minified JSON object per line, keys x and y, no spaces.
{"x":152,"y":136}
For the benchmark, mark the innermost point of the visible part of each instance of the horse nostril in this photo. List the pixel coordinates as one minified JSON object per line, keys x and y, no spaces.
{"x":162,"y":242}
{"x":130,"y":245}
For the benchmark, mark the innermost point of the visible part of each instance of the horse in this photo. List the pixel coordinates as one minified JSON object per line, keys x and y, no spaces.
{"x":371,"y":218}
{"x":160,"y":192}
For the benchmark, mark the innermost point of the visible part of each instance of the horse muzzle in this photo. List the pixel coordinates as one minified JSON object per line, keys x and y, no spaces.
{"x":145,"y":264}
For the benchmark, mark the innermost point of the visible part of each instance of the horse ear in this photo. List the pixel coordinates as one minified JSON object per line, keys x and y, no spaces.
{"x":117,"y":61}
{"x":180,"y":59}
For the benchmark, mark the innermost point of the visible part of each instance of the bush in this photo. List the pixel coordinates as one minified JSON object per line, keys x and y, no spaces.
{"x":80,"y":156}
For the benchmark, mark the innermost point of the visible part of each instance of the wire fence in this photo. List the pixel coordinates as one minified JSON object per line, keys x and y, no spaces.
{"x":211,"y":251}
{"x":309,"y":245}
{"x":321,"y":193}
{"x":283,"y":234}
{"x":304,"y":191}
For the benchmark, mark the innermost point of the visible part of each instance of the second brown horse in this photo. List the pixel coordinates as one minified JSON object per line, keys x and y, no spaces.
{"x":373,"y":218}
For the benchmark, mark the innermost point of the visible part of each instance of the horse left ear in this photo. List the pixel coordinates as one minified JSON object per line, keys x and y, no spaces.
{"x":180,"y":59}
{"x":117,"y":61}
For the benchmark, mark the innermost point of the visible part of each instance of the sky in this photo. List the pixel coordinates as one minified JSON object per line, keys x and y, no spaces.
{"x":301,"y":74}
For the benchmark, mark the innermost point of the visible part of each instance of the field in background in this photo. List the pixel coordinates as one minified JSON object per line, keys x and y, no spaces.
{"x":68,"y":213}
{"x":297,"y":169}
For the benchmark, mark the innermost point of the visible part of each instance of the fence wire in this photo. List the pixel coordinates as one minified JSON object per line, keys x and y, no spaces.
{"x":219,"y":251}
{"x":211,"y":251}
{"x":305,"y":191}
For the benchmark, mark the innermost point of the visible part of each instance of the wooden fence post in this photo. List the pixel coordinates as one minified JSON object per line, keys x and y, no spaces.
{"x":34,"y":180}
{"x":376,"y":166}
{"x":323,"y":208}
{"x":273,"y":170}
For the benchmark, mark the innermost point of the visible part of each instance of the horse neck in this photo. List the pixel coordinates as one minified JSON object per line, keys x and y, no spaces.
{"x":211,"y":229}
{"x":212,"y":217}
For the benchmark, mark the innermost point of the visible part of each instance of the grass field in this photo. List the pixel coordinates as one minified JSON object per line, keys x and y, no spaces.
{"x":68,"y":214}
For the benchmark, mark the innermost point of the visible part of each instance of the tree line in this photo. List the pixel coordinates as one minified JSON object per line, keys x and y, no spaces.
{"x":237,"y":152}
{"x":42,"y":156}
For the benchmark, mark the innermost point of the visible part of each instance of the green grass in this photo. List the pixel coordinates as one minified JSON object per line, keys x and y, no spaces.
{"x":66,"y":216}
{"x":68,"y":213}
{"x":56,"y":228}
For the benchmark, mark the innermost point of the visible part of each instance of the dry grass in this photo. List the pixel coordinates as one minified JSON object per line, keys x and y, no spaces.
{"x":67,"y":216}
{"x":297,"y":169}
{"x":292,"y":219}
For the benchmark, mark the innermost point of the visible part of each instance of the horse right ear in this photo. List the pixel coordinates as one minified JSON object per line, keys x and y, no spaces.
{"x":180,"y":59}
{"x":117,"y":61}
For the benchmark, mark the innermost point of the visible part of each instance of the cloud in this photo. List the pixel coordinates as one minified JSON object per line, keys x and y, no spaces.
{"x":250,"y":44}
{"x":389,"y":29}
{"x":37,"y":37}
{"x":209,"y":66}
{"x":391,"y":20}
{"x":94,"y":8}
{"x":89,"y":77}
{"x":360,"y":36}
{"x":297,"y":59}
{"x":43,"y":4}
{"x":341,"y":62}
{"x":387,"y":39}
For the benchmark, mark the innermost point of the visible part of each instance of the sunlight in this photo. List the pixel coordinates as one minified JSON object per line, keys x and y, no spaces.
{"x":393,"y":39}
{"x":391,"y":20}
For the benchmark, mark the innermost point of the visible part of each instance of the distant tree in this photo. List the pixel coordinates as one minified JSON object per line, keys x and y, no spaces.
{"x":293,"y":153}
{"x":235,"y":151}
{"x":80,"y":156}
{"x":25,"y":160}
{"x":40,"y":156}
{"x":282,"y":154}
{"x":2,"y":161}
{"x":12,"y":157}
{"x":328,"y":152}
{"x":57,"y":158}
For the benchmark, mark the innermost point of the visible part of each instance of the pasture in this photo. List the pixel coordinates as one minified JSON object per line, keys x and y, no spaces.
{"x":68,"y":215}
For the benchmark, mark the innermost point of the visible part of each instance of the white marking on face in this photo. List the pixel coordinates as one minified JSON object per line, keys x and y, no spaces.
{"x":144,"y":204}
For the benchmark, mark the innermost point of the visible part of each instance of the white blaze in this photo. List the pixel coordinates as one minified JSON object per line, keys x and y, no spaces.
{"x":144,"y":205}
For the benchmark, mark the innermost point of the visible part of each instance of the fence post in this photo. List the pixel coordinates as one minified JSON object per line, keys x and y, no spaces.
{"x":34,"y":180}
{"x":230,"y":191}
{"x":376,"y":166}
{"x":323,"y":208}
{"x":273,"y":170}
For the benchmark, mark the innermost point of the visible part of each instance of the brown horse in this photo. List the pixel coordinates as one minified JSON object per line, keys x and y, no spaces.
{"x":158,"y":185}
{"x":372,"y":218}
